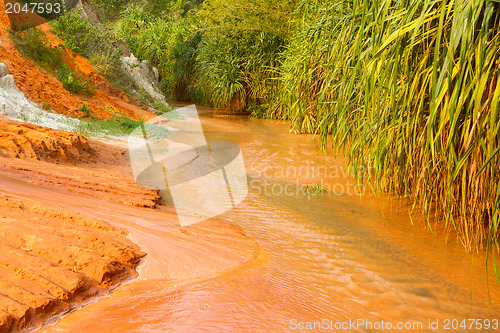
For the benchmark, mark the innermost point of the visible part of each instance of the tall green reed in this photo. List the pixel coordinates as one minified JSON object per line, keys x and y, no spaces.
{"x":408,"y":88}
{"x":404,"y":87}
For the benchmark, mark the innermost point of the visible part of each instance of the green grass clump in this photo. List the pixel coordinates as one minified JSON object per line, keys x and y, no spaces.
{"x":116,"y":126}
{"x":161,"y":108}
{"x":75,"y":82}
{"x":233,"y":61}
{"x":45,"y":106}
{"x":83,"y":38}
{"x":94,"y":42}
{"x":33,"y":45}
{"x":257,"y":110}
{"x":86,"y":110}
{"x":110,"y":9}
{"x":315,"y":188}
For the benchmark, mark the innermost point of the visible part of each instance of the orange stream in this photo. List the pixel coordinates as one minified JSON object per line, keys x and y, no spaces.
{"x":334,"y":256}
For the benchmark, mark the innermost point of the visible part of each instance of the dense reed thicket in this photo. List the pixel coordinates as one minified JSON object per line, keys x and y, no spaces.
{"x":219,"y":52}
{"x":408,"y":88}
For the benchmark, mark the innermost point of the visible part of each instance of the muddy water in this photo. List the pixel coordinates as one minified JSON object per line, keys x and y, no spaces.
{"x":334,"y":256}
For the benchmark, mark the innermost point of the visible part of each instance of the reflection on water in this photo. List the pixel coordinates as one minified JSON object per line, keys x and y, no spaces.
{"x":333,"y":256}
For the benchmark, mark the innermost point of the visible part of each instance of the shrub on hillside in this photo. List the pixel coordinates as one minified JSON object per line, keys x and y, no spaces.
{"x":75,"y":82}
{"x":98,"y":44}
{"x":76,"y":32}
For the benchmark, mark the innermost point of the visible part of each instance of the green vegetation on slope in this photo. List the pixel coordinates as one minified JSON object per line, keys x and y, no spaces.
{"x":32,"y":43}
{"x":94,"y":42}
{"x":408,"y":88}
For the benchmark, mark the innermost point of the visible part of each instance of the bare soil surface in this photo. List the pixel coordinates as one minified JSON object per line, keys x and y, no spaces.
{"x":53,"y":258}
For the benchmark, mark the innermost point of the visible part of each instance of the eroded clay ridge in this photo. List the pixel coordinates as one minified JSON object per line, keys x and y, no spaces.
{"x":70,"y":162}
{"x":52,"y":259}
{"x":20,"y":140}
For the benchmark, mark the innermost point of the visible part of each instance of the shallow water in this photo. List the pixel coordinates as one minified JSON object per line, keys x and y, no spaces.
{"x":334,"y":257}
